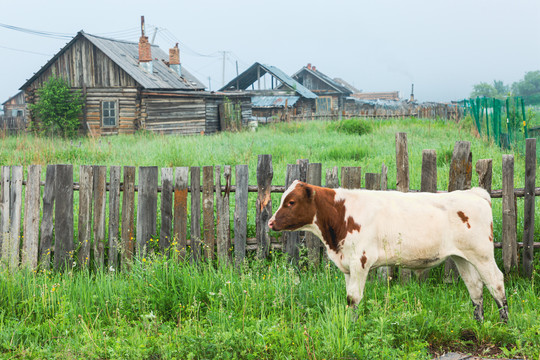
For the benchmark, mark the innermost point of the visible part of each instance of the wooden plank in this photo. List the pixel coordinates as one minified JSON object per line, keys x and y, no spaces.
{"x":223,"y":217}
{"x":196,"y":213}
{"x":180,"y":210}
{"x":63,"y":213}
{"x":208,"y":212}
{"x":265,"y":173}
{"x":351,"y":177}
{"x":291,"y":239}
{"x":240,"y":213}
{"x":484,"y":169}
{"x":459,"y":179}
{"x":114,"y":215}
{"x":128,"y":216}
{"x":4,"y":212}
{"x":100,"y":199}
{"x":373,"y":181}
{"x":428,"y":181}
{"x":166,"y":209}
{"x":15,"y":205}
{"x":331,"y":179}
{"x":86,"y":191}
{"x":45,"y":244}
{"x":509,"y":233}
{"x":402,"y":179}
{"x":313,"y":244}
{"x":529,"y":207}
{"x":146,"y":209}
{"x":31,"y":218}
{"x":303,"y":163}
{"x":384,"y":177}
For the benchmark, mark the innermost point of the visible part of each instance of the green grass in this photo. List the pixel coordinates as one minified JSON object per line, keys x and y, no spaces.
{"x":267,"y":310}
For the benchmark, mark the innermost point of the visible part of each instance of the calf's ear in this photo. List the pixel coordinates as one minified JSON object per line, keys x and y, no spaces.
{"x":309,"y":192}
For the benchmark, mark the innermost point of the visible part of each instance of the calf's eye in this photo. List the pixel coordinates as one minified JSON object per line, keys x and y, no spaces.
{"x":291,"y":203}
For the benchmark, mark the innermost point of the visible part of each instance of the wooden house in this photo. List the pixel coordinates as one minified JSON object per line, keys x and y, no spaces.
{"x":128,"y":86}
{"x":13,"y":118}
{"x":274,"y":94}
{"x":384,"y":95}
{"x":330,"y":94}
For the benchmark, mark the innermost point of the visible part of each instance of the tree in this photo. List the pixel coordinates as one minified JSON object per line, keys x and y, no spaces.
{"x":497,"y":90}
{"x":58,"y":108}
{"x":528,"y":87}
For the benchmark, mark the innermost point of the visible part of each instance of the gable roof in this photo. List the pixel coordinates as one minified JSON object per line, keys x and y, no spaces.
{"x":249,"y":76}
{"x":324,"y":78}
{"x":126,"y":55}
{"x":18,"y":94}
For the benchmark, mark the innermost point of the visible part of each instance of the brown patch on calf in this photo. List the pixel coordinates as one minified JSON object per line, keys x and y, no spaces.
{"x":363,"y":259}
{"x":464,"y":218}
{"x":491,"y":232}
{"x":352,"y":225}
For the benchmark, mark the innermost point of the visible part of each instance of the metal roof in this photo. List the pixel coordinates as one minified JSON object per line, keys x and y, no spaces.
{"x":326,"y":79}
{"x":126,"y":55}
{"x":248,"y":77}
{"x":274,"y":101}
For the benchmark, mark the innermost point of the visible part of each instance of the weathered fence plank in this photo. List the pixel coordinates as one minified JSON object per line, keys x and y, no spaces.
{"x":114,"y":215}
{"x":128,"y":217}
{"x":484,"y":169}
{"x":86,"y":190}
{"x":331,"y":179}
{"x":208,"y":212}
{"x":303,"y":164}
{"x":180,"y":210}
{"x":31,"y":218}
{"x":509,"y":233}
{"x":4,"y":211}
{"x":313,"y":244}
{"x":351,"y":177}
{"x":146,"y":209}
{"x":166,"y":209}
{"x":265,"y":173}
{"x":15,"y":206}
{"x":373,"y":181}
{"x":291,"y":238}
{"x":402,"y":179}
{"x":45,"y":244}
{"x":196,"y":213}
{"x":529,"y":205}
{"x":63,"y":213}
{"x":223,"y":230}
{"x":428,"y":181}
{"x":100,"y":199}
{"x":240,"y":213}
{"x":384,"y":177}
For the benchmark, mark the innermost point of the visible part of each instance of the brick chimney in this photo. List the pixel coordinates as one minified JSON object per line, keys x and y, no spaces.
{"x":309,"y":66}
{"x":145,"y":51}
{"x":174,"y":59}
{"x":313,"y":68}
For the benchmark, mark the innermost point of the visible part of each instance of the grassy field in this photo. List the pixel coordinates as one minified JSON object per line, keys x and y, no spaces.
{"x":266,"y":310}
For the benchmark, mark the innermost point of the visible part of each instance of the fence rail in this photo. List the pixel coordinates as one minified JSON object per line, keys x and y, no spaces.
{"x":110,"y":230}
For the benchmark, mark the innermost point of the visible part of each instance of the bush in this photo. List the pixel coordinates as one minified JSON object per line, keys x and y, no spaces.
{"x":58,"y":108}
{"x":352,"y":126}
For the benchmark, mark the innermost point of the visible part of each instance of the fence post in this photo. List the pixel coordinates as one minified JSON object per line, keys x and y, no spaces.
{"x":223,"y":221}
{"x":240,"y":213}
{"x":428,"y":183}
{"x":180,"y":210}
{"x":459,"y":179}
{"x":509,"y":233}
{"x":100,"y":198}
{"x":15,"y":206}
{"x":114,"y":214}
{"x":528,"y":221}
{"x":31,"y":218}
{"x":351,"y":177}
{"x":4,"y":212}
{"x":484,"y":169}
{"x":63,"y":213}
{"x":313,"y":244}
{"x":384,"y":177}
{"x":128,"y":215}
{"x":265,"y":173}
{"x":208,"y":212}
{"x":303,"y":163}
{"x":86,"y":183}
{"x":402,"y":179}
{"x":146,"y":208}
{"x":45,"y":245}
{"x":332,"y":180}
{"x":166,"y":209}
{"x":373,"y":181}
{"x":196,"y":213}
{"x":291,"y":238}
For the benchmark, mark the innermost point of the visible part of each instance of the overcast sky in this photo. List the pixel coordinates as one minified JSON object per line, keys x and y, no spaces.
{"x":443,"y":47}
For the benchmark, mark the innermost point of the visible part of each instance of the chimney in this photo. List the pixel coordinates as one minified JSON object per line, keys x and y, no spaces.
{"x":313,"y":68}
{"x":174,"y":59}
{"x":145,"y":50}
{"x":412,"y":93}
{"x":309,"y":66}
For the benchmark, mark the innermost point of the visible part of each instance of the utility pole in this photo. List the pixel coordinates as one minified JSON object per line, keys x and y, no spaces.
{"x":154,"y":36}
{"x":209,"y":83}
{"x":223,"y":69}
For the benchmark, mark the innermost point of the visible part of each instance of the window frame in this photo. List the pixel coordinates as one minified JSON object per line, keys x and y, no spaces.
{"x":115,"y":101}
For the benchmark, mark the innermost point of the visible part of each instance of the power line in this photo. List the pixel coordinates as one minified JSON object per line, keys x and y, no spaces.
{"x":24,"y":51}
{"x":48,"y":34}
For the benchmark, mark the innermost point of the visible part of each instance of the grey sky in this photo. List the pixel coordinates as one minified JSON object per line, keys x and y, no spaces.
{"x":443,"y":47}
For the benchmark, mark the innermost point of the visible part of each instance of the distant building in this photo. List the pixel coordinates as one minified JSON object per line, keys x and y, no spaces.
{"x":387,"y":95}
{"x":15,"y":106}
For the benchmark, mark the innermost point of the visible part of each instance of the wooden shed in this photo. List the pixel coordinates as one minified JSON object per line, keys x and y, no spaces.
{"x":120,"y":82}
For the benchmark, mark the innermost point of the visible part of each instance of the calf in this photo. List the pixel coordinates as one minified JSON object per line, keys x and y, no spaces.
{"x":364,"y":229}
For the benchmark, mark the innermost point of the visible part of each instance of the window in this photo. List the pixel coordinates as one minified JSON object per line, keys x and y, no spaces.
{"x":108,"y":113}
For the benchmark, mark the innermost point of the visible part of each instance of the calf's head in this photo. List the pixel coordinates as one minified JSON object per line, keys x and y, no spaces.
{"x":297,"y":208}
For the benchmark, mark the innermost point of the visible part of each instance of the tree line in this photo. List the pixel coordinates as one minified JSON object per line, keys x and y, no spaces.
{"x":528,"y":88}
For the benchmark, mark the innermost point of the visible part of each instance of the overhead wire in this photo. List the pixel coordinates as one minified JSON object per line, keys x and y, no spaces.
{"x":49,"y":34}
{"x":25,"y":51}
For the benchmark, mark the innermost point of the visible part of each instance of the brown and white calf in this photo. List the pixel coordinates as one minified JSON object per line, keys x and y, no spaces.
{"x":364,"y":229}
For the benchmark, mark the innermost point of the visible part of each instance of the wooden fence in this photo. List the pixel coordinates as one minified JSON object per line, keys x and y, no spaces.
{"x":112,"y":227}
